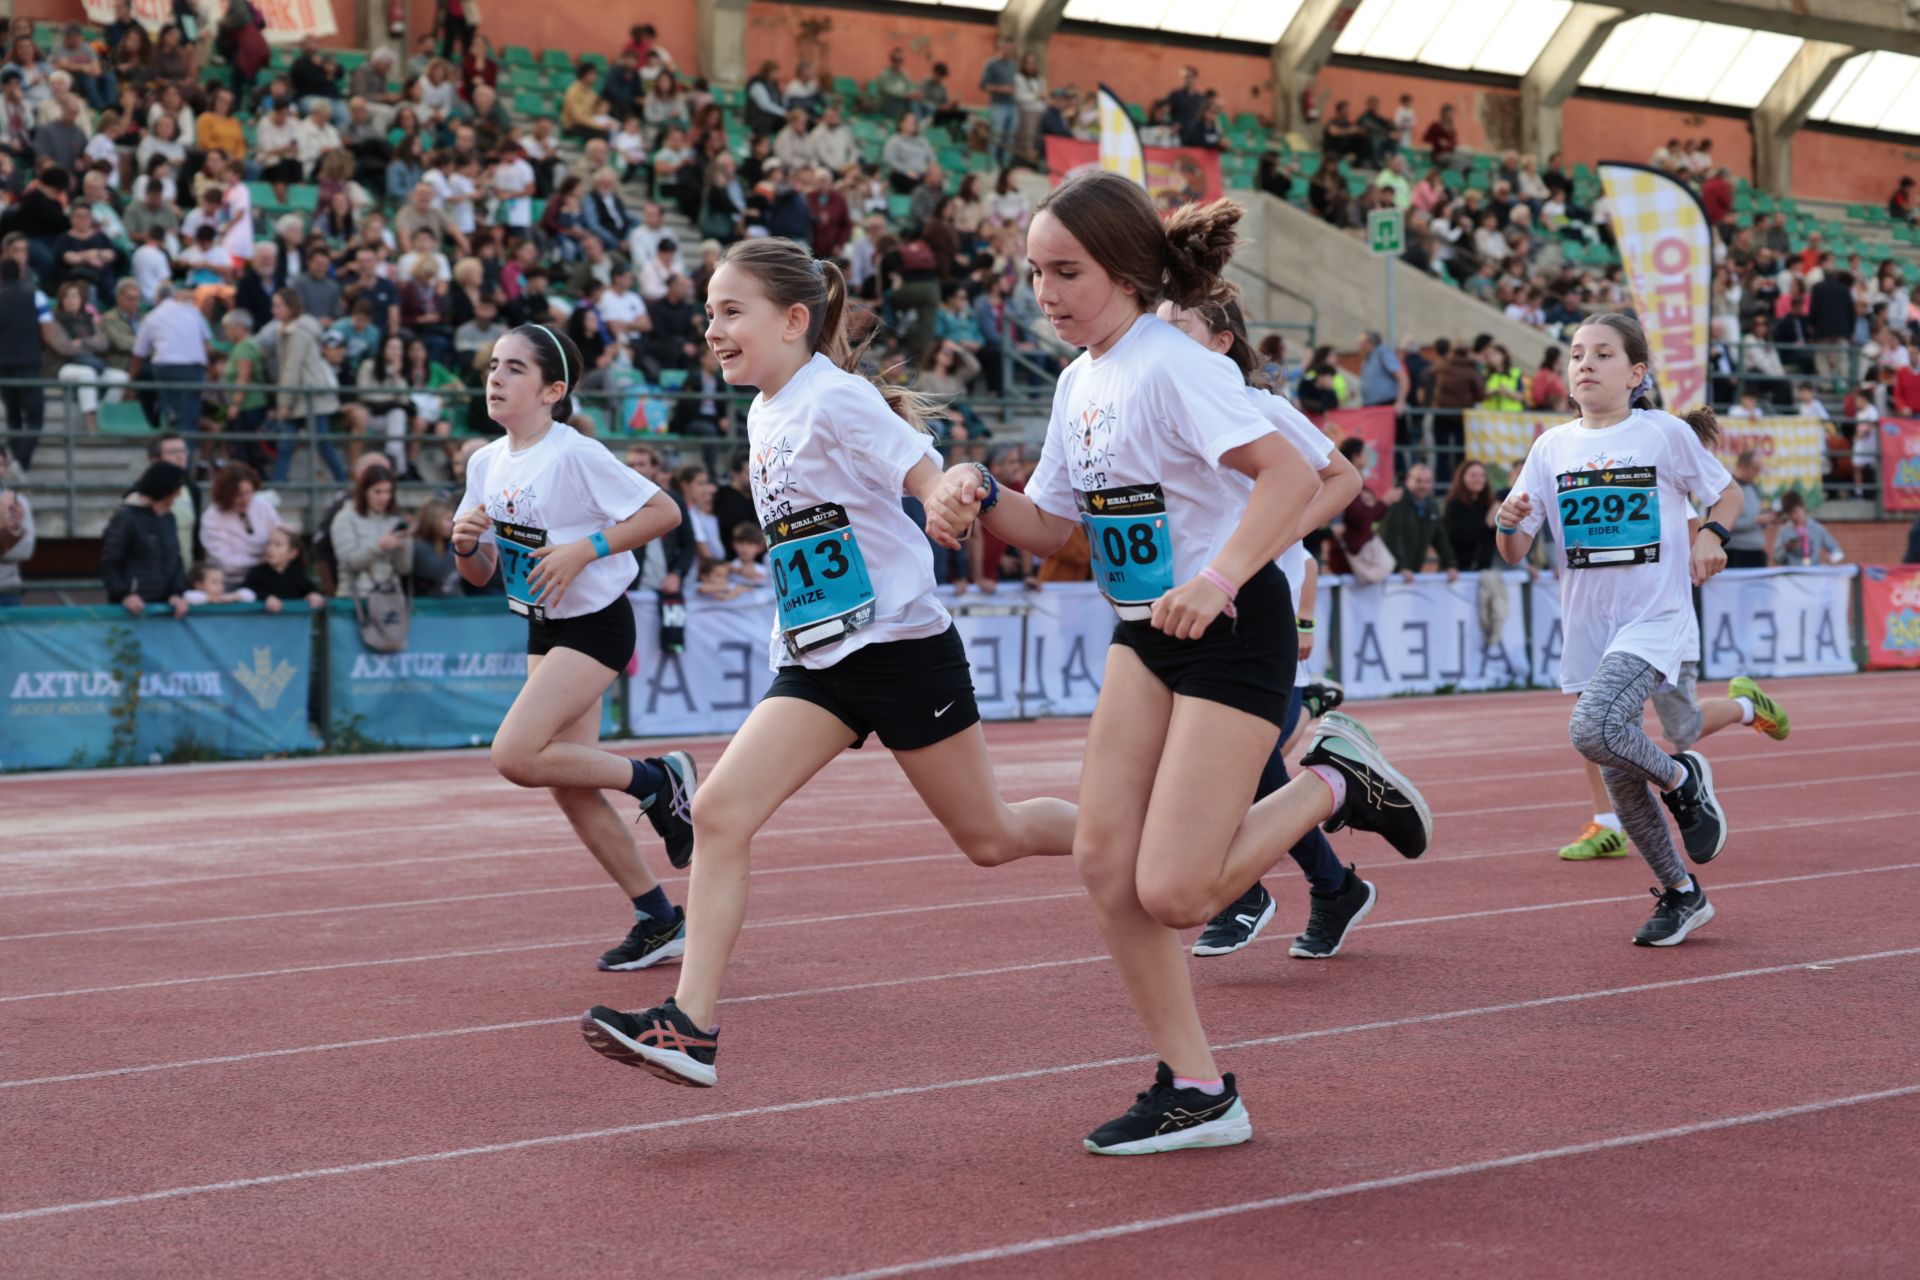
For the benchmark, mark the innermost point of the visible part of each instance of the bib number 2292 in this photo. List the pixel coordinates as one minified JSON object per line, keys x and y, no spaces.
{"x":1610,"y":517}
{"x":820,"y":578}
{"x":1131,"y":541}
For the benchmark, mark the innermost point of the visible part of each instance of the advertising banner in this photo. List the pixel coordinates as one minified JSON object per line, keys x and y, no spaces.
{"x":1776,"y":622}
{"x":1900,"y":463}
{"x":1175,"y":175}
{"x":1890,"y":615}
{"x":1399,"y":637}
{"x":1375,"y":426}
{"x":95,"y":685}
{"x":1666,"y":245}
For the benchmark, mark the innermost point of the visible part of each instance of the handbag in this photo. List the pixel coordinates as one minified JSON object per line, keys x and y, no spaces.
{"x":384,"y":614}
{"x":1371,"y":563}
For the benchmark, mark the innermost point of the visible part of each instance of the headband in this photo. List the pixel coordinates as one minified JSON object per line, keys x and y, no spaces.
{"x":564,"y":367}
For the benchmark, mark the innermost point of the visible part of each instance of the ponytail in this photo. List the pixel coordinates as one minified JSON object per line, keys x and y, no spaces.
{"x":1705,"y":425}
{"x":791,"y":276}
{"x":1200,"y":242}
{"x":1181,"y":258}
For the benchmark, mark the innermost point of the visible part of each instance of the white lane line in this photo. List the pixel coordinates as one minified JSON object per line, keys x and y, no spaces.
{"x":1414,"y":1178}
{"x":1718,"y":790}
{"x":806,"y":993}
{"x":903,"y":1091}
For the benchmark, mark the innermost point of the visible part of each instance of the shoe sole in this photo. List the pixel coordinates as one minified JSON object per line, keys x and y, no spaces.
{"x":1368,"y":753}
{"x":1711,"y":803}
{"x":1258,"y":925}
{"x":1373,"y":896}
{"x":690,"y":781}
{"x":671,"y":1066}
{"x":1699,"y":918}
{"x":1229,"y":1130}
{"x":677,"y":947}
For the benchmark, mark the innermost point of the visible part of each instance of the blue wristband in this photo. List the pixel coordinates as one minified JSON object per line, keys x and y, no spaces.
{"x":600,"y":547}
{"x":993,"y":488}
{"x":1501,"y":528}
{"x":465,"y":555}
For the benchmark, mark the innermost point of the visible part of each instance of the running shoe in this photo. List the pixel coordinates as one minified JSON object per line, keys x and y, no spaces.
{"x":1703,"y":827}
{"x":648,"y":943}
{"x":1676,"y":914}
{"x":671,"y":809}
{"x":1321,"y":697}
{"x":1769,"y":717}
{"x":1348,"y":724}
{"x":1595,"y":842}
{"x":1168,"y":1119}
{"x":662,"y":1040}
{"x":1331,"y":917}
{"x":1238,"y":925}
{"x":1380,"y":798}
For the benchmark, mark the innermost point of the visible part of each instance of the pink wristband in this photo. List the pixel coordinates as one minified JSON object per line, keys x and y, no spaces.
{"x":1227,"y":588}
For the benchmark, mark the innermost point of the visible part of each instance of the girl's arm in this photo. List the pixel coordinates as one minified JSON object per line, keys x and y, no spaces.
{"x":1282,"y":487}
{"x":555,"y":567}
{"x":1340,"y":484}
{"x":1309,"y":597}
{"x":1513,"y":512}
{"x":952,"y":502}
{"x":1709,"y":554}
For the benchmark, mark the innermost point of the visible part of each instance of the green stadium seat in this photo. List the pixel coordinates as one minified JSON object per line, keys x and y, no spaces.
{"x":846,"y":88}
{"x":558,"y":59}
{"x":598,"y":61}
{"x":1136,"y":113}
{"x":123,"y":418}
{"x":515,"y":55}
{"x":899,"y":207}
{"x":729,"y":96}
{"x":532,"y":104}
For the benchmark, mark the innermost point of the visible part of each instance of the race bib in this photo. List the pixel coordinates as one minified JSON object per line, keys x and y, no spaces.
{"x":819,"y":577}
{"x":1131,"y":540}
{"x":517,"y":543}
{"x":1610,"y":518}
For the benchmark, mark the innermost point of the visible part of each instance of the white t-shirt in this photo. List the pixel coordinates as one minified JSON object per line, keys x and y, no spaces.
{"x":1313,"y":444}
{"x":510,"y":176}
{"x":1133,"y":453}
{"x":236,"y":210}
{"x":830,"y":458}
{"x":560,"y":490}
{"x":1626,"y":585}
{"x":151,"y":269}
{"x":621,"y":308}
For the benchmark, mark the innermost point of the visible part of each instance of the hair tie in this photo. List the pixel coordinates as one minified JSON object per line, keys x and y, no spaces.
{"x":1645,"y":390}
{"x":565,"y":368}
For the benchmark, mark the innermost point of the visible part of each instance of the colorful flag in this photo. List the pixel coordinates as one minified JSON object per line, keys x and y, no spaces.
{"x":1121,"y":151}
{"x":1666,"y":244}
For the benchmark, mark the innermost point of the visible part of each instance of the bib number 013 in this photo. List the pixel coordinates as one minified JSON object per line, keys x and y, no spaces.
{"x":820,"y":578}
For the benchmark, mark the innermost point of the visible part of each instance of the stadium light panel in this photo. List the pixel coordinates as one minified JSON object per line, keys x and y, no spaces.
{"x":1667,"y":57}
{"x":1260,"y":22}
{"x":1498,"y":36}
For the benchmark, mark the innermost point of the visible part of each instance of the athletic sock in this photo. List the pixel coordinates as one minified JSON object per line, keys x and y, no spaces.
{"x":1746,"y":710}
{"x":1335,"y":780}
{"x":1212,"y":1088}
{"x":648,"y":778}
{"x":1611,"y":821}
{"x":654,"y":904}
{"x":1687,"y":887}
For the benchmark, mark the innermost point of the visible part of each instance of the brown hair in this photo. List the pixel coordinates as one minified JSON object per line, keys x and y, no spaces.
{"x":227,"y":482}
{"x":1113,"y":218}
{"x":791,"y":276}
{"x":1633,"y":339}
{"x":1223,"y":315}
{"x":1457,"y":492}
{"x":426,"y":523}
{"x":364,"y":483}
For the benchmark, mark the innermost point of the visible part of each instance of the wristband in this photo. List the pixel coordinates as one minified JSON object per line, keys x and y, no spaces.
{"x":464,"y":555}
{"x":600,"y":548}
{"x":1303,"y":625}
{"x":993,"y":487}
{"x":1227,"y":588}
{"x":1506,"y":528}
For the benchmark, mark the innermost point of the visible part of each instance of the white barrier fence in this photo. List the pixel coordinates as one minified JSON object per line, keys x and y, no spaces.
{"x":1041,"y":653}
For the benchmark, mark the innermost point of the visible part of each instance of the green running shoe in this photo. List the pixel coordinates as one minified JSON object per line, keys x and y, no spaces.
{"x":1769,"y":717}
{"x":1595,"y":842}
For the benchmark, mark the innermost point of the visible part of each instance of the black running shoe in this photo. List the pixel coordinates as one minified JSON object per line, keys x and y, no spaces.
{"x":1703,"y":827}
{"x":1380,"y":798}
{"x":1168,"y":1119}
{"x":648,"y":943}
{"x":1677,"y":914}
{"x":1331,"y":917}
{"x":671,"y":809}
{"x":1321,"y":697}
{"x":1238,"y":925}
{"x":662,"y":1040}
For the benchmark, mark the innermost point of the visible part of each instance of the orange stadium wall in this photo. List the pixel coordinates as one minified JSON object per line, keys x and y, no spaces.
{"x":858,"y":44}
{"x":1473,"y":105}
{"x":1839,"y":166}
{"x":1593,"y":129}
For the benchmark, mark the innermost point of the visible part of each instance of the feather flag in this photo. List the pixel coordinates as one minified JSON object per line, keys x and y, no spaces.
{"x":1121,"y":151}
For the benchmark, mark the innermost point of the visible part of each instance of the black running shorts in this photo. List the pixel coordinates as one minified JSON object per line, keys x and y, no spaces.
{"x":913,"y":693}
{"x":1244,"y":662}
{"x":607,"y":636}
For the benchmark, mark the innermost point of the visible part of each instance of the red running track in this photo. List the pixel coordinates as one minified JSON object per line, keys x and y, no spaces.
{"x":317,"y":1018}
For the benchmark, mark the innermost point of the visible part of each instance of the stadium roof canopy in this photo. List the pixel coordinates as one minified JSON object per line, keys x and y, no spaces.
{"x":1878,"y":90}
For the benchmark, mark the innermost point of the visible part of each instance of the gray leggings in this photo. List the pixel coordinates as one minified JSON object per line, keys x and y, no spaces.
{"x":1607,"y":730}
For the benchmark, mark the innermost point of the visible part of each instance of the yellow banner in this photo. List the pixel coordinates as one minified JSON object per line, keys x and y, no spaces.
{"x":1120,"y":149}
{"x":1666,"y":245}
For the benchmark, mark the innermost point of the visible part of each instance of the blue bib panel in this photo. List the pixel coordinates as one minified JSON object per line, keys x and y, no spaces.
{"x":819,"y":577}
{"x":517,"y":543}
{"x":1610,"y":518}
{"x":1131,"y":540}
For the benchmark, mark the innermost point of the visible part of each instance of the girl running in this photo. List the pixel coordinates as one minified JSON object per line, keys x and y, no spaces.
{"x":860,"y":643}
{"x":1187,"y":494}
{"x":560,"y":517}
{"x":1615,"y":483}
{"x":1339,"y":898}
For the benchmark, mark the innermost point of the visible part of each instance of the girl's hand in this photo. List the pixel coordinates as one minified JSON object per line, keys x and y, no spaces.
{"x":272,"y":604}
{"x":1515,"y":510}
{"x":1709,"y":556}
{"x":1306,"y":644}
{"x":1189,"y":609}
{"x":555,"y":568}
{"x":470,"y":527}
{"x":954,"y":505}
